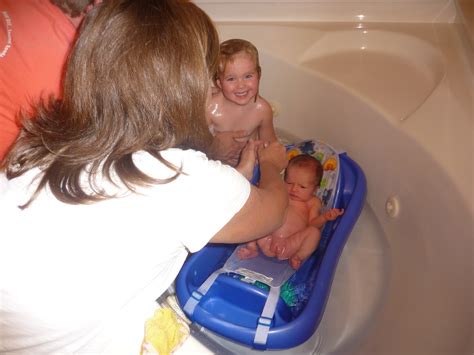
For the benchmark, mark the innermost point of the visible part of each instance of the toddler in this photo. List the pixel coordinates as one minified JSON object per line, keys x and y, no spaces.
{"x":299,"y":235}
{"x":235,"y":103}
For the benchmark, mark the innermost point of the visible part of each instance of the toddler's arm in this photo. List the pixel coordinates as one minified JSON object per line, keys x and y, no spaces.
{"x":266,"y":131}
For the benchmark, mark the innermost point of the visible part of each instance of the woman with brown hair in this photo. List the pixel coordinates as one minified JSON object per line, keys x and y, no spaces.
{"x":106,"y":191}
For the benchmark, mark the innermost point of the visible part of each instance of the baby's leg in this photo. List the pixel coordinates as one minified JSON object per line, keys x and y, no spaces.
{"x":265,"y":244}
{"x":250,"y":250}
{"x":284,"y":248}
{"x":308,"y":246}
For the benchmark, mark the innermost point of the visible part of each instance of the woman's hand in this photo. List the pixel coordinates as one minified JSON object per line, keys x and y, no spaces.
{"x":273,"y":153}
{"x":248,"y":159}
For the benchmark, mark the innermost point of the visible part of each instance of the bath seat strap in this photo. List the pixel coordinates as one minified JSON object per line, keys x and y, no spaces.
{"x":265,"y":320}
{"x":196,"y":296}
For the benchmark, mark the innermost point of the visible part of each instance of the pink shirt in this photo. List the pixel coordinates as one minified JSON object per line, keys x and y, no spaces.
{"x":35,"y":38}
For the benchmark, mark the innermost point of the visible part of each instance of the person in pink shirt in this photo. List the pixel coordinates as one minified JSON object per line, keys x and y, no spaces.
{"x":35,"y":39}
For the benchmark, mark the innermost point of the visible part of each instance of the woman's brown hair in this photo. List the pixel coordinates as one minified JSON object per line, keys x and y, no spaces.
{"x":137,"y":79}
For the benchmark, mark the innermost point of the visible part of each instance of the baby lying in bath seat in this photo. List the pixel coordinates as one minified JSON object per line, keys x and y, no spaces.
{"x":300,"y":233}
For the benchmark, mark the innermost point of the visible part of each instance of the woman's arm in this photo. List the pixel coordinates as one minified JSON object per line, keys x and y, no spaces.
{"x":265,"y":208}
{"x":248,"y":158}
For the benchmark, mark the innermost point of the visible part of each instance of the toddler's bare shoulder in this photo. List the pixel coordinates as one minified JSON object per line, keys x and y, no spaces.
{"x":263,"y":104}
{"x":264,"y":108}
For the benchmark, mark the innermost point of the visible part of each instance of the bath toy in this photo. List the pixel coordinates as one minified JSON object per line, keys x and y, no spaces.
{"x":292,"y":153}
{"x":273,"y":308}
{"x":330,"y":164}
{"x":319,"y":156}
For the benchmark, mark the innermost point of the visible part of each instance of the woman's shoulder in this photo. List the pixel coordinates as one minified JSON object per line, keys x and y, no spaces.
{"x":188,"y":161}
{"x":175,"y":156}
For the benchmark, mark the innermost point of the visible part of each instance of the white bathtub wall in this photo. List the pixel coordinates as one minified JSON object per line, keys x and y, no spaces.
{"x":426,"y":89}
{"x":331,"y":10}
{"x":424,"y":159}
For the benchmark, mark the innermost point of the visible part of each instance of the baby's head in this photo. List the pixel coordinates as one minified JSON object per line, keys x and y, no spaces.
{"x":233,"y":48}
{"x":303,"y":176}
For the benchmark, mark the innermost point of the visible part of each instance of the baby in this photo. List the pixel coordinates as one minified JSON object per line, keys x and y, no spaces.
{"x":235,"y":104}
{"x":299,"y":235}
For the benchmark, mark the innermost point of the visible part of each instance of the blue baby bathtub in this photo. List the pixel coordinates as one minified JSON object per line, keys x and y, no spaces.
{"x":232,"y":308}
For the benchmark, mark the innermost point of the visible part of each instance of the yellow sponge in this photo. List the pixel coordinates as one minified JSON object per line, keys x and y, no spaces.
{"x":164,"y":333}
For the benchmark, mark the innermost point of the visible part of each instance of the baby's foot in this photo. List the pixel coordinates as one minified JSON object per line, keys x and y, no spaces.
{"x":265,"y":246}
{"x":295,"y":262}
{"x":246,"y":253}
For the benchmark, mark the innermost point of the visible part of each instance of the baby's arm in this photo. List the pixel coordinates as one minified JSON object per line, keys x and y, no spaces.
{"x":317,"y":219}
{"x":266,"y":131}
{"x":329,"y":215}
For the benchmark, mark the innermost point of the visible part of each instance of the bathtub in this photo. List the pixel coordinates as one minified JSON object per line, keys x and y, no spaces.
{"x":398,"y":98}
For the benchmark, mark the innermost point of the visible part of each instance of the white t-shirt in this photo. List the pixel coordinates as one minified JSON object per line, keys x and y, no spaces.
{"x":84,"y":278}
